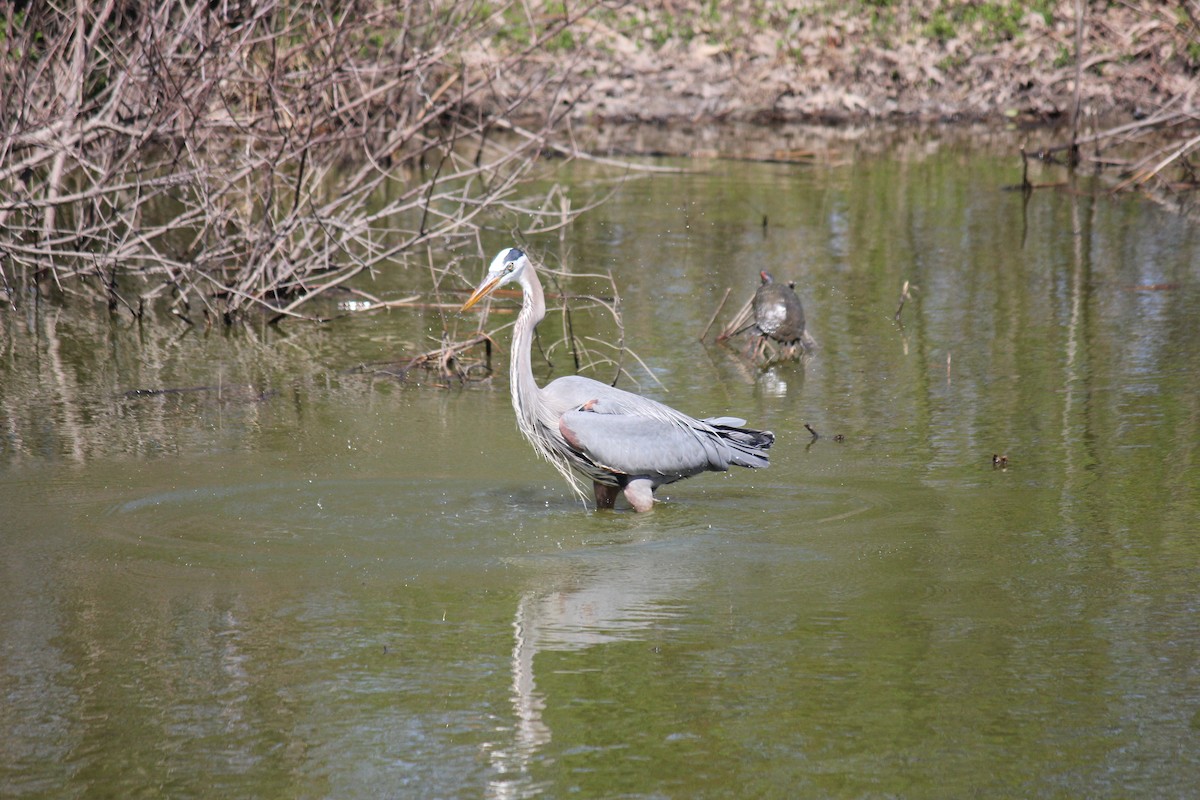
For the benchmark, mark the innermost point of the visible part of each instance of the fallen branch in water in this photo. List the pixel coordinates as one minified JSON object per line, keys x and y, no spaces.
{"x":715,"y":313}
{"x":1144,"y":133}
{"x":446,"y":361}
{"x":1141,"y":176}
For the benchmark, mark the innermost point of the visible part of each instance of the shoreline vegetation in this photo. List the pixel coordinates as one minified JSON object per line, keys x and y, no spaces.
{"x":216,"y":158}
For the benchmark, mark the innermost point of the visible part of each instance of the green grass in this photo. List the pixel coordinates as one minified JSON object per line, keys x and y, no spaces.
{"x":1192,"y":54}
{"x":998,"y":20}
{"x":518,"y":30}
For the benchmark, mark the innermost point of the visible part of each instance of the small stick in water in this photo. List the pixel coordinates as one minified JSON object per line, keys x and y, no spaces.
{"x":718,"y":311}
{"x":904,"y":296}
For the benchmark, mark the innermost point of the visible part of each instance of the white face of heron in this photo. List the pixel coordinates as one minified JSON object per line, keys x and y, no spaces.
{"x":508,"y":265}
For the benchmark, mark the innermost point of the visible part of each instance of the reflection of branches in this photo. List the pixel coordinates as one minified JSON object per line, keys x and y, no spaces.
{"x":235,"y":156}
{"x":114,"y":387}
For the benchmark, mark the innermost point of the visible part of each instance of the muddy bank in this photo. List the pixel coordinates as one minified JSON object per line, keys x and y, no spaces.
{"x":854,"y":61}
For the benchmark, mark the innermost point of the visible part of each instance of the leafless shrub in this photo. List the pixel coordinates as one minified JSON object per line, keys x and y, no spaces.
{"x":225,"y":155}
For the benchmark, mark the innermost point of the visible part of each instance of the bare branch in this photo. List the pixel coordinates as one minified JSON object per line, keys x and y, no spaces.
{"x":238,"y":156}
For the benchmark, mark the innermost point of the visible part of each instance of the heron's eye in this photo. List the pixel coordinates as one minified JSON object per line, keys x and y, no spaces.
{"x":509,"y":266}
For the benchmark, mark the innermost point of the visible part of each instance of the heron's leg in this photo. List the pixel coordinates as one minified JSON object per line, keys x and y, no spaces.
{"x":606,"y":496}
{"x":640,"y":494}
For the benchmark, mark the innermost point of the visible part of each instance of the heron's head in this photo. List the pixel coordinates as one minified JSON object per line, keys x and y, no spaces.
{"x":505,"y":268}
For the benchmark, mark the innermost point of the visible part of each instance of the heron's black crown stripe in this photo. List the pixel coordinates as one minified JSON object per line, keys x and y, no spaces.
{"x":513,"y":255}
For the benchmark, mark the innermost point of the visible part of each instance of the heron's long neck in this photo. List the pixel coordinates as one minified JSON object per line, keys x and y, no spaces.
{"x":524,"y":389}
{"x":535,"y":420}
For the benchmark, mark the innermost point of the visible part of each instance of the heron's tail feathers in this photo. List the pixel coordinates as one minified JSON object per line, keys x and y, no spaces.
{"x":748,"y":447}
{"x":727,"y":422}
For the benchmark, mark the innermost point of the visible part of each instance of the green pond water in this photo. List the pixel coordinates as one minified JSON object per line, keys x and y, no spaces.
{"x":303,"y":580}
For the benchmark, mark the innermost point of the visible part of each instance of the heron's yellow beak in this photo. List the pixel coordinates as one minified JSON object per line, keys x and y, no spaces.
{"x":483,"y":291}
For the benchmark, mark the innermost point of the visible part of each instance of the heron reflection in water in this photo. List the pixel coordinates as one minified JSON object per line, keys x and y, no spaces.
{"x":592,"y":597}
{"x":621,"y":441}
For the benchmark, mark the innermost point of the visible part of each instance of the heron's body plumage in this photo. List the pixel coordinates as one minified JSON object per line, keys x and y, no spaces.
{"x":620,"y":440}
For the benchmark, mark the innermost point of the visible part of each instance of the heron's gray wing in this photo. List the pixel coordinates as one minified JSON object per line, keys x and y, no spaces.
{"x":635,"y":444}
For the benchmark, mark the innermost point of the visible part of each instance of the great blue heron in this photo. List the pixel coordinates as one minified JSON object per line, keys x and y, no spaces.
{"x":621,"y":441}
